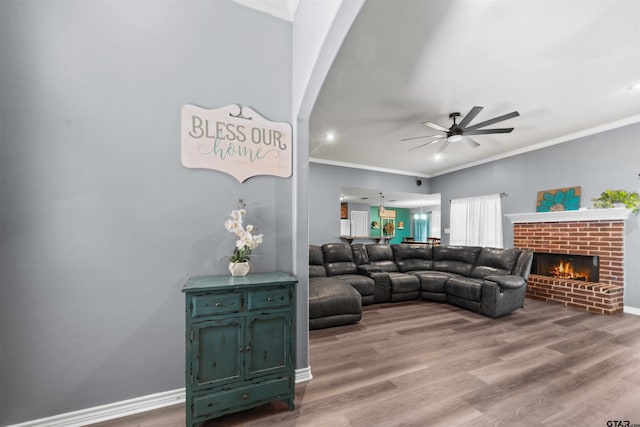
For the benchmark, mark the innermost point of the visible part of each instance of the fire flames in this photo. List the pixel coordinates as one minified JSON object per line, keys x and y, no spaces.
{"x":564,"y":270}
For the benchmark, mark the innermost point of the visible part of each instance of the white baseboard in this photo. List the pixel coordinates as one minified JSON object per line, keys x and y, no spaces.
{"x":111,"y":411}
{"x":126,"y":408}
{"x":632,"y":310}
{"x":303,"y":375}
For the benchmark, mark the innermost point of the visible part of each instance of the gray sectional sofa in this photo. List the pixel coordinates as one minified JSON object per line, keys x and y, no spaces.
{"x":489,"y":281}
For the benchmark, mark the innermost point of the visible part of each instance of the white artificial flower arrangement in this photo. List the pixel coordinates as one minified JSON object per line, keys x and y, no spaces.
{"x":246,"y":242}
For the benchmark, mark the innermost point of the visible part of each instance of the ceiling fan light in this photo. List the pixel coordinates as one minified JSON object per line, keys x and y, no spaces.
{"x":455,"y":138}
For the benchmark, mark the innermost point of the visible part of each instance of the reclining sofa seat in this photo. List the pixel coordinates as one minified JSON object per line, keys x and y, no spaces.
{"x":331,"y":301}
{"x":448,"y":262}
{"x":490,"y":281}
{"x":377,"y":261}
{"x":416,"y":259}
{"x":504,"y":293}
{"x":339,"y":263}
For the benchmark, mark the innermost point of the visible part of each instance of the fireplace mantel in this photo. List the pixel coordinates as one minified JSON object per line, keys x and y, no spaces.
{"x":589,"y":232}
{"x":612,"y":214}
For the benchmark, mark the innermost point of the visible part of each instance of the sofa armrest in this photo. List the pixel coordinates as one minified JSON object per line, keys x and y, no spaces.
{"x":382,"y":284}
{"x":510,"y":281}
{"x":368,"y":269}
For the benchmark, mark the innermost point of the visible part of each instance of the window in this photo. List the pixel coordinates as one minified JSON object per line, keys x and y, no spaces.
{"x":477,"y":221}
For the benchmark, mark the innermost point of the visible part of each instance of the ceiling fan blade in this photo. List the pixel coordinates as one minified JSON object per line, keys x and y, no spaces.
{"x":469,"y":131}
{"x":435,"y":126}
{"x":494,"y":120}
{"x":472,"y":142}
{"x":443,"y":146}
{"x":419,"y":137}
{"x":470,"y":116}
{"x":426,"y":143}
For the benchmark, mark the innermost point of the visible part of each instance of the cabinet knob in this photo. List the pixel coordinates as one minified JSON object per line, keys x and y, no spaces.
{"x":248,"y":348}
{"x":241,"y":349}
{"x":269,"y":299}
{"x":245,"y":396}
{"x":218,"y":304}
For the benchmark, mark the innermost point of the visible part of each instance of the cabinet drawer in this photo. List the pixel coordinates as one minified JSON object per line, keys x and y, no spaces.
{"x":268,"y":298}
{"x":209,"y":304}
{"x":240,"y":397}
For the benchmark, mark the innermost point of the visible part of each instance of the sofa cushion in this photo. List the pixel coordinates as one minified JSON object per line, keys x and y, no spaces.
{"x":455,"y":259}
{"x":523,"y":264}
{"x":363,"y":284}
{"x":338,"y":259}
{"x":402,"y":282}
{"x":434,"y":281}
{"x":381,"y":257}
{"x":359,"y":251}
{"x":378,"y":252}
{"x":316,"y":262}
{"x":464,"y":287}
{"x":495,"y":262}
{"x":412,"y":257}
{"x":329,"y":297}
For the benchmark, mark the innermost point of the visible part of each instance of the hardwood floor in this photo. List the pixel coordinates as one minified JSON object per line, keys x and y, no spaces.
{"x":430,"y":364}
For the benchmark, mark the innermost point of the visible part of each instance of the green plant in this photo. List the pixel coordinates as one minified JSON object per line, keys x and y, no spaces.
{"x":608,"y":198}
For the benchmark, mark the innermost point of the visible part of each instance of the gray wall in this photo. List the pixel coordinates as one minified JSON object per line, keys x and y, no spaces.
{"x":100,"y":225}
{"x":607,"y":160}
{"x":325,"y":182}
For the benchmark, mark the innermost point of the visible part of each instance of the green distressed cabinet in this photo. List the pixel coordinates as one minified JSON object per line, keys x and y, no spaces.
{"x":240,"y":343}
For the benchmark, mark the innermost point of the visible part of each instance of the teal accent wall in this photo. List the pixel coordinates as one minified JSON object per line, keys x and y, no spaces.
{"x":325,"y":183}
{"x":402,"y":215}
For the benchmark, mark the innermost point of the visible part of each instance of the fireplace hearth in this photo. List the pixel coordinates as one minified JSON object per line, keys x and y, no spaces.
{"x":567,"y":266}
{"x":597,"y":234}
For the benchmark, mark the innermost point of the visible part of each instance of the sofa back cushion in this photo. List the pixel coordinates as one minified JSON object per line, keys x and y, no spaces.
{"x":359,"y":251}
{"x":378,"y":252}
{"x":412,"y":257}
{"x":494,"y":261}
{"x":522,"y":266}
{"x":381,"y":257}
{"x":338,"y":259}
{"x":455,"y":259}
{"x":316,"y":262}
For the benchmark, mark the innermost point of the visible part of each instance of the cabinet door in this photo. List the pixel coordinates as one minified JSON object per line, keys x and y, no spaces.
{"x":269,"y":345}
{"x":217,"y":352}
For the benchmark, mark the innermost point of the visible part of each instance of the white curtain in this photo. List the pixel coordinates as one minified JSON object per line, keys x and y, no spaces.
{"x":476,"y":221}
{"x":421,"y":227}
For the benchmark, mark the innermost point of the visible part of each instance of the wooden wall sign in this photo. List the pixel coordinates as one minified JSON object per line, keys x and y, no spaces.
{"x":235,"y":140}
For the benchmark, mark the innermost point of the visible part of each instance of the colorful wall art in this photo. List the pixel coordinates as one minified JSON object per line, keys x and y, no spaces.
{"x":561,"y":199}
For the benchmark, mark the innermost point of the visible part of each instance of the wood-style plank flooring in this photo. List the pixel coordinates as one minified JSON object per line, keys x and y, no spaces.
{"x":430,"y":364}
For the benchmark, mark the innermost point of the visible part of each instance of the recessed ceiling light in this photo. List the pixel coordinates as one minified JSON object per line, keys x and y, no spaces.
{"x":635,"y":86}
{"x":437,"y":156}
{"x":330,"y":136}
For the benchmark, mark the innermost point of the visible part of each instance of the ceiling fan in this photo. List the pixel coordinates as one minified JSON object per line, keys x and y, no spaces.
{"x":461,"y":131}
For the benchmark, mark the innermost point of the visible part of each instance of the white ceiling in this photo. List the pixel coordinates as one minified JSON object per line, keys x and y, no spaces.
{"x":283,"y":9}
{"x":567,"y":67}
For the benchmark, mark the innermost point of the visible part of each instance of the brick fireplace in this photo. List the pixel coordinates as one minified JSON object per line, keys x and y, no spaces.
{"x":593,"y":233}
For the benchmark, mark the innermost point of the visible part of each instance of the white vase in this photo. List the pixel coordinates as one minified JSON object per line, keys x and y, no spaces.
{"x":239,"y":268}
